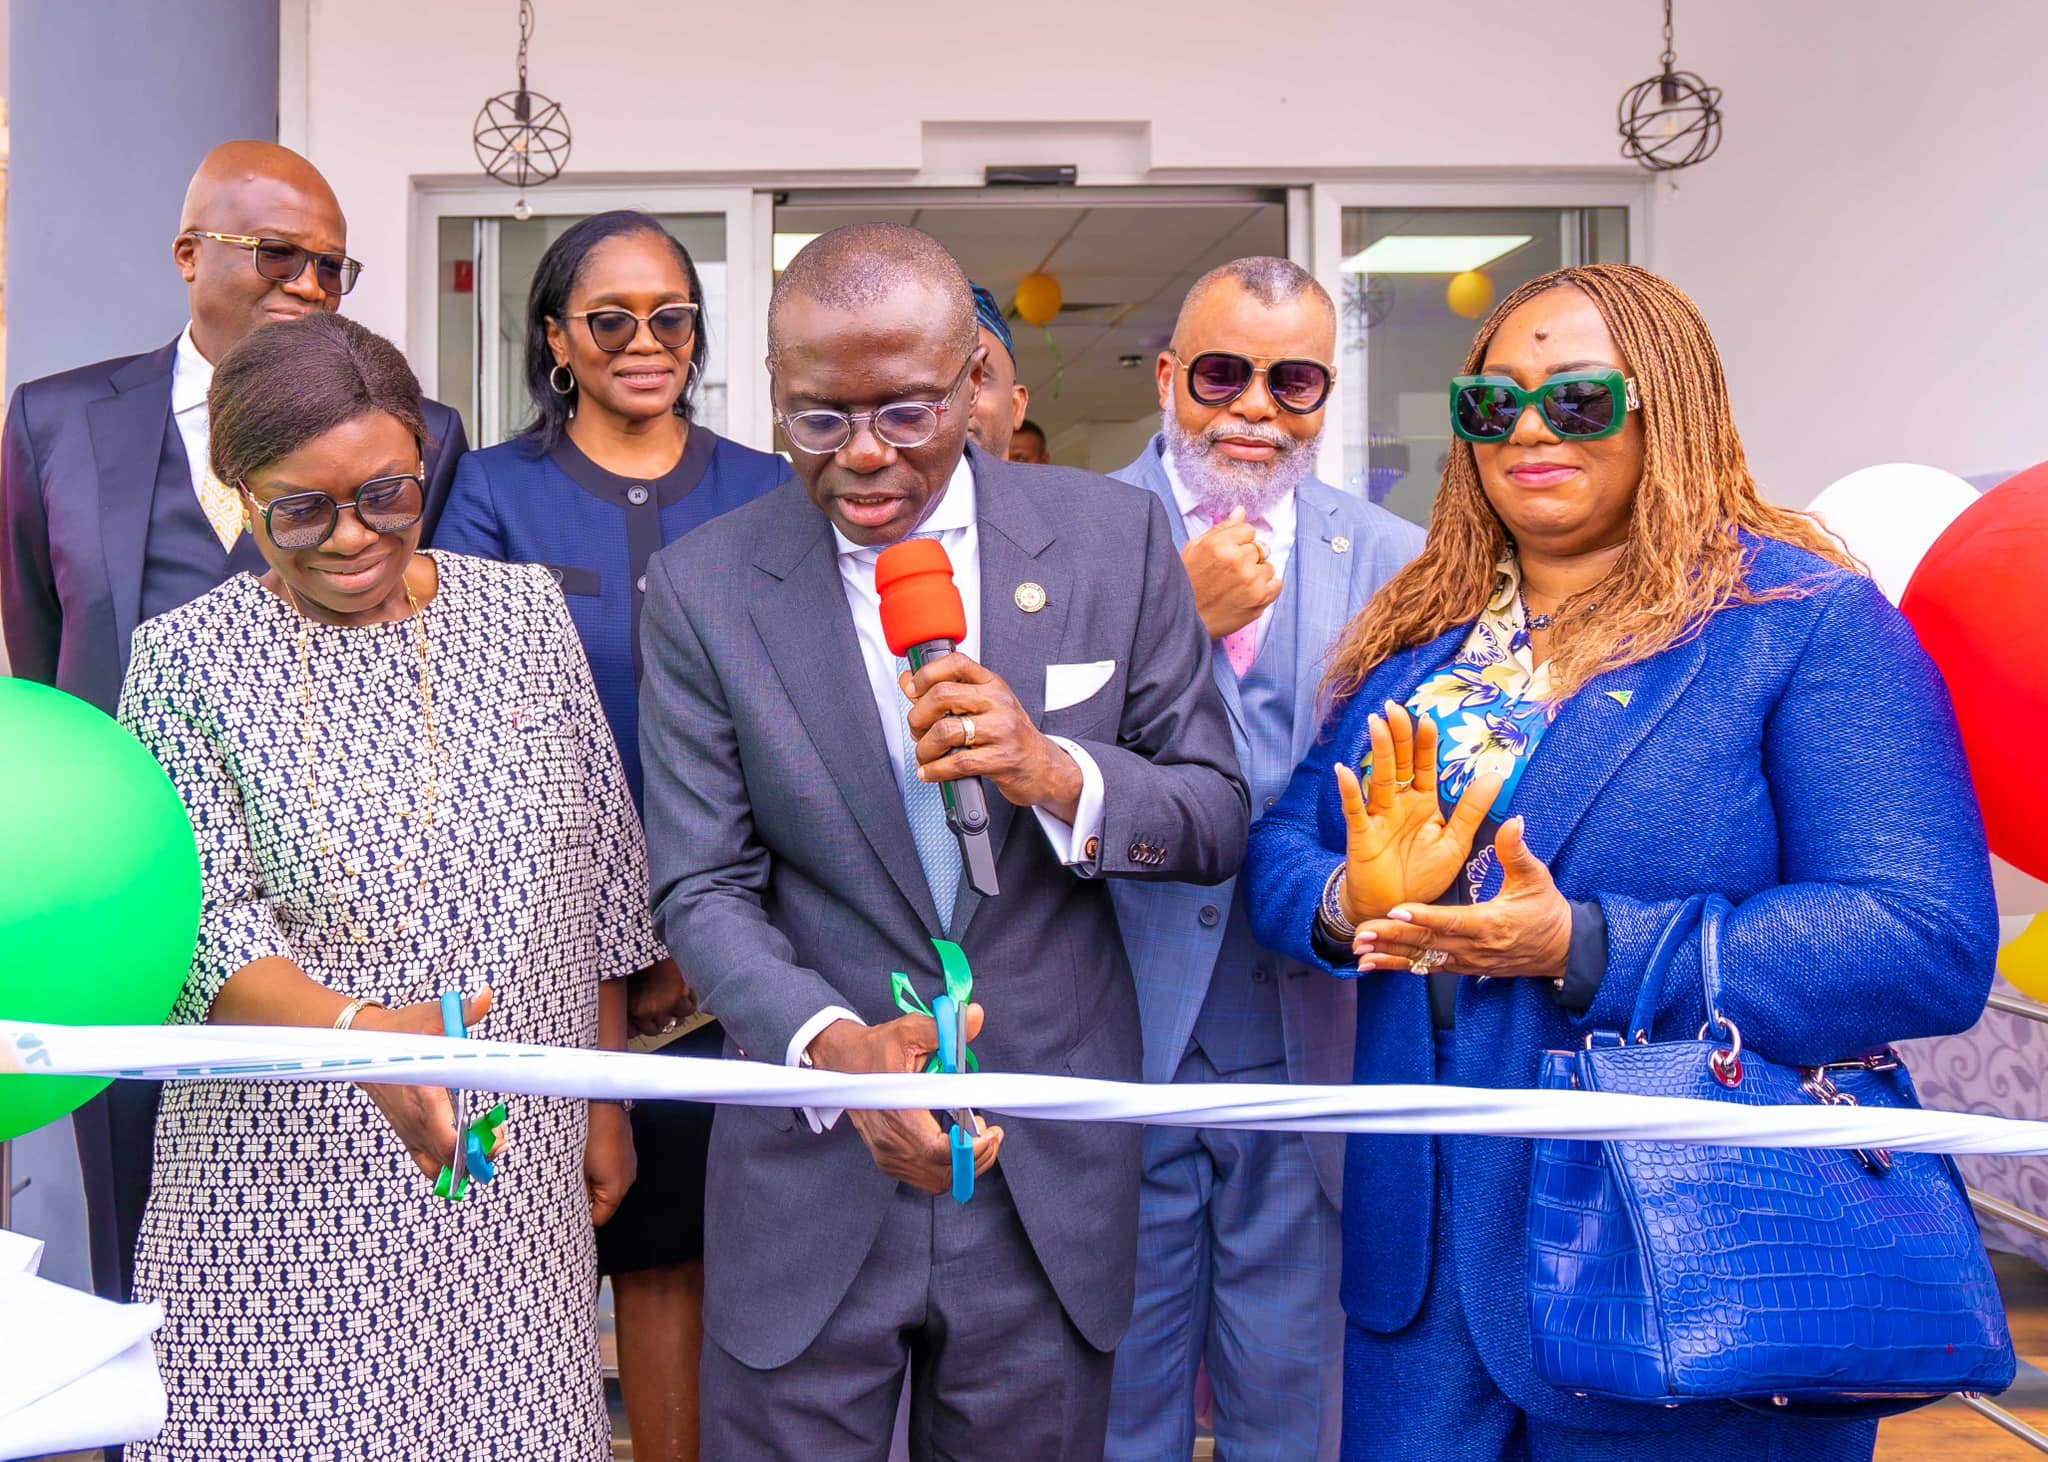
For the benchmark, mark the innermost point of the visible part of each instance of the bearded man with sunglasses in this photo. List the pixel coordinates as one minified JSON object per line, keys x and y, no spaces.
{"x":800,"y":856}
{"x":109,"y":516}
{"x":1239,"y":1238}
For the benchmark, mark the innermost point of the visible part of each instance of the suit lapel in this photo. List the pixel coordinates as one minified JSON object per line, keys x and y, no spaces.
{"x":129,"y":433}
{"x":804,"y":622}
{"x":1014,"y":540}
{"x":1322,"y":583}
{"x":1598,"y":729}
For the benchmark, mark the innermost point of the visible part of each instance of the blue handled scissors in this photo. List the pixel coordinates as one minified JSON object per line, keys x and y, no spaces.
{"x":473,"y":1143}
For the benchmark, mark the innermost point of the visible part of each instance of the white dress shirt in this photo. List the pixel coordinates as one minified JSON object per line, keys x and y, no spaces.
{"x":951,"y":521}
{"x":191,"y":378}
{"x":1273,"y":531}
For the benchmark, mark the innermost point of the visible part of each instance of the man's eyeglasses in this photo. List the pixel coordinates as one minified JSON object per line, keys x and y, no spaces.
{"x":900,"y":424}
{"x":1582,"y":406}
{"x":1219,"y":377}
{"x":611,"y":331}
{"x":281,"y":261}
{"x":302,"y":520}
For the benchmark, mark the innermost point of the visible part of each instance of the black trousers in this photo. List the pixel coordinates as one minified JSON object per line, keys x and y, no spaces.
{"x":116,"y":1135}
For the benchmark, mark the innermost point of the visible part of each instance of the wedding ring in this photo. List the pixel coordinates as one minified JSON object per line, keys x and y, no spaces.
{"x":967,"y":731}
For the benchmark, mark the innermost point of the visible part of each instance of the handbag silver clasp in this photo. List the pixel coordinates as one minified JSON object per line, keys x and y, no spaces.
{"x":1817,"y":1085}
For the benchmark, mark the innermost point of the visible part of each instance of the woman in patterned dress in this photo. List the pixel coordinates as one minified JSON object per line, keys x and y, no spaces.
{"x":401,"y":782}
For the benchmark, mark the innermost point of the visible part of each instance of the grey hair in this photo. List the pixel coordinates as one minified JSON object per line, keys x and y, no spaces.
{"x":1266,"y":278}
{"x":861,"y":264}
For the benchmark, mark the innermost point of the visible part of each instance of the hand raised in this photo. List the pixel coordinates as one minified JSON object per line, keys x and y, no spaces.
{"x":422,"y":1116}
{"x":1232,"y":580}
{"x":907,"y":1146}
{"x":1526,"y":930}
{"x":1398,"y":846}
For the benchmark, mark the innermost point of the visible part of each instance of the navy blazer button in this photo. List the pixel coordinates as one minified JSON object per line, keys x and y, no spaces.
{"x":1209,"y":914}
{"x":1261,"y":976}
{"x":636,"y":495}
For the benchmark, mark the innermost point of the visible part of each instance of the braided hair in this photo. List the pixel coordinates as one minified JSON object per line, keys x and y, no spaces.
{"x":1683,"y":559}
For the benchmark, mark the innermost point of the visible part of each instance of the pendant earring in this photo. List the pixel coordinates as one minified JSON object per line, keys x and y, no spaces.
{"x":555,"y":380}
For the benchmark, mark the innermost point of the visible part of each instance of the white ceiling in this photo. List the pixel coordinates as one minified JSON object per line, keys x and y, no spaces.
{"x":1122,"y":267}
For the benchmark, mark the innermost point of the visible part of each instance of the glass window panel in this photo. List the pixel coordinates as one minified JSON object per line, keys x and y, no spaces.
{"x":1401,"y":341}
{"x":477,"y":254}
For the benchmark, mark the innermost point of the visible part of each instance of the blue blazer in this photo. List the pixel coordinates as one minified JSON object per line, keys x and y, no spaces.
{"x":1799,"y":756}
{"x":82,"y":454}
{"x":1172,"y":948}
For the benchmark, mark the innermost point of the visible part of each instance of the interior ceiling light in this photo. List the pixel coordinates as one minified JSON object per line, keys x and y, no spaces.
{"x":1672,"y":120}
{"x":521,"y":137}
{"x":788,"y":246}
{"x":1431,"y":253}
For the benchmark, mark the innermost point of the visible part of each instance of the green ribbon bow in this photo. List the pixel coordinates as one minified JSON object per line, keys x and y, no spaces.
{"x":959,"y":985}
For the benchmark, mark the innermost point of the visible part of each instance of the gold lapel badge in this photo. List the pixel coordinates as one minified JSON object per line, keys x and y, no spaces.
{"x":1030,"y":597}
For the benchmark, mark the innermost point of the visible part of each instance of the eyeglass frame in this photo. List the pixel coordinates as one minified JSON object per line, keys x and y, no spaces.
{"x":1187,"y":367}
{"x":418,"y":477}
{"x":696,"y":316}
{"x":343,"y":264}
{"x":1620,"y":386}
{"x":937,"y":408}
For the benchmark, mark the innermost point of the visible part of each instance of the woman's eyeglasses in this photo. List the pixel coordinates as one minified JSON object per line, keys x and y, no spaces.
{"x":282,"y":261}
{"x":900,"y":424}
{"x":611,"y":331}
{"x":1219,"y":377}
{"x":1583,"y":406}
{"x":303,"y":520}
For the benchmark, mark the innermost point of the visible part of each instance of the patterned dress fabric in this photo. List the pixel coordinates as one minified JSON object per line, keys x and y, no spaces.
{"x":320,"y":1302}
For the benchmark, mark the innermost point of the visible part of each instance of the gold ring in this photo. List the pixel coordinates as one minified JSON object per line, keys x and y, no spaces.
{"x":669,"y":1025}
{"x":966,"y":731}
{"x":1402,"y":784}
{"x":1419,"y":965}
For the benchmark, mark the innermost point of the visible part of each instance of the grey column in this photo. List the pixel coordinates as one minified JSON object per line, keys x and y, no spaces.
{"x":111,"y":105}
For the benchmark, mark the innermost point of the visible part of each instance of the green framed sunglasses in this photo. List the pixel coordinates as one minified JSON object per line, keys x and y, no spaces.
{"x":1581,"y":405}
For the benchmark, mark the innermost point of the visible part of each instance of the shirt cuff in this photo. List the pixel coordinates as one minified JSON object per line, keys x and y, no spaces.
{"x":820,"y":1118}
{"x":1585,"y":966}
{"x":1079,"y":845}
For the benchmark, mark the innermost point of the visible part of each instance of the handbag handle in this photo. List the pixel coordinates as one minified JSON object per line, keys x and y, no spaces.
{"x":1707,"y":910}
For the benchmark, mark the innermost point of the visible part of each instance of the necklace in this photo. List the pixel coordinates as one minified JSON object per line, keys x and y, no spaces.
{"x":1532,"y":620}
{"x":313,"y":764}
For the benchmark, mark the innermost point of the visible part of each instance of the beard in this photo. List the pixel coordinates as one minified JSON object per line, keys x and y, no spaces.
{"x":1221,"y":483}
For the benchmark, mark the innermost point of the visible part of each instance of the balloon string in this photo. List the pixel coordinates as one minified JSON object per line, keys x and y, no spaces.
{"x":1059,"y":365}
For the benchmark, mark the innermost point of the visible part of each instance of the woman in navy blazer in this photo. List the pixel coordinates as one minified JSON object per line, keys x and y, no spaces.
{"x":612,"y":469}
{"x":1705,"y":694}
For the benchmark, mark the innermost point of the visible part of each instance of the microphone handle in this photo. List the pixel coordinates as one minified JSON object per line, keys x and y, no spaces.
{"x":966,"y":802}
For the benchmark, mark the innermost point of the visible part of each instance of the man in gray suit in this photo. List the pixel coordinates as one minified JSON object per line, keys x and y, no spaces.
{"x":799,"y":857}
{"x":1238,"y":1239}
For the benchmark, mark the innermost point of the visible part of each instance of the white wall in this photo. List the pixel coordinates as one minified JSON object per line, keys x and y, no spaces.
{"x":1864,"y":244}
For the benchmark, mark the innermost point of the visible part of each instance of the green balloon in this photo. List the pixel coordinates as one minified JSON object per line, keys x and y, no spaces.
{"x":99,"y":884}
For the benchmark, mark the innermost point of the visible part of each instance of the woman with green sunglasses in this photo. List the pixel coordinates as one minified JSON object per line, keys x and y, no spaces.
{"x":1614,"y":678}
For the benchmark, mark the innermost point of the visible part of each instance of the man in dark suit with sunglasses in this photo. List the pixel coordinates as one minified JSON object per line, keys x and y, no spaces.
{"x":110,"y":514}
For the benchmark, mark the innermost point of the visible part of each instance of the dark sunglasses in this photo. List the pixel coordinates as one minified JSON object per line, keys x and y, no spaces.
{"x":303,"y":520}
{"x":1582,"y":405}
{"x":611,"y":331}
{"x":1217,"y":378}
{"x":900,"y":424}
{"x":282,"y":262}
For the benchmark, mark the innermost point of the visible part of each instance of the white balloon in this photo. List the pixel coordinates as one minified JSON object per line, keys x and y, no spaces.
{"x":1889,"y":516}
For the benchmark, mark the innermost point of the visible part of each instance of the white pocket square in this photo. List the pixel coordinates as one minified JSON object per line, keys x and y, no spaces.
{"x":1069,"y":685}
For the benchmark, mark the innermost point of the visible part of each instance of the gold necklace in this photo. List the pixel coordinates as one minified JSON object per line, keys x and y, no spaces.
{"x":312,"y":763}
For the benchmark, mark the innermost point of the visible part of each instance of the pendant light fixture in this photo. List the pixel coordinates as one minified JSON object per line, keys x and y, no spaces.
{"x":1672,"y":120}
{"x":521,"y":137}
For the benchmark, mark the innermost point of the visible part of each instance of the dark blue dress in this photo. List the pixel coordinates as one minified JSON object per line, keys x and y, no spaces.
{"x":595,"y":531}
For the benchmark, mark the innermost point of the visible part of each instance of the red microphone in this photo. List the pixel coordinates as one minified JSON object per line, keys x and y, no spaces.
{"x":923,"y":619}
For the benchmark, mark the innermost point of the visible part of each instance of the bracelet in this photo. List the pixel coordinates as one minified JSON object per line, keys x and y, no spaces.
{"x":624,"y":1104}
{"x":350,"y":1011}
{"x":1330,"y":912}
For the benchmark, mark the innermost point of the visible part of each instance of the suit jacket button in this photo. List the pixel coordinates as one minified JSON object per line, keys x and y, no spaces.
{"x":1209,"y":915}
{"x":636,"y":495}
{"x":1269,"y":803}
{"x":641,"y":584}
{"x":1138,"y":852}
{"x":1262,"y":976}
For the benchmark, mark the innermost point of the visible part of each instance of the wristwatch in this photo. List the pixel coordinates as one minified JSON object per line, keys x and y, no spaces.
{"x":1330,"y":913}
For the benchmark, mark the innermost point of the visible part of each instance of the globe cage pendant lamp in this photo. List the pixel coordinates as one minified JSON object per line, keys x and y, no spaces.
{"x":1672,"y":120}
{"x":521,"y":137}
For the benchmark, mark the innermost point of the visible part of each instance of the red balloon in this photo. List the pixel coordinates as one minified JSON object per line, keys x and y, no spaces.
{"x":1976,"y":600}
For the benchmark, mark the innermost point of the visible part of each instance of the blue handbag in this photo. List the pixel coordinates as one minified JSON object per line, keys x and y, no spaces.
{"x":1813,"y":1279}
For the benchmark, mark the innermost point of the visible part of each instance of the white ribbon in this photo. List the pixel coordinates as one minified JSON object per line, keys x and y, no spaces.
{"x":263,"y":1053}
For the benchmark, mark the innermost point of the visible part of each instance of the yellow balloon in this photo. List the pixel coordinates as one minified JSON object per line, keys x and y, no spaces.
{"x":1469,"y":295}
{"x":2024,"y":962}
{"x":1038,"y":299}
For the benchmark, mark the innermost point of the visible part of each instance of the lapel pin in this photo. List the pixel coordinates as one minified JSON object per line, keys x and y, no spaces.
{"x":1340,"y":544}
{"x":1620,"y":697}
{"x":1030,"y":597}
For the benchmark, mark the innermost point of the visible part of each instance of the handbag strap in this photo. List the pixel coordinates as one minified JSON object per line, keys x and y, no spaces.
{"x":1706,"y":910}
